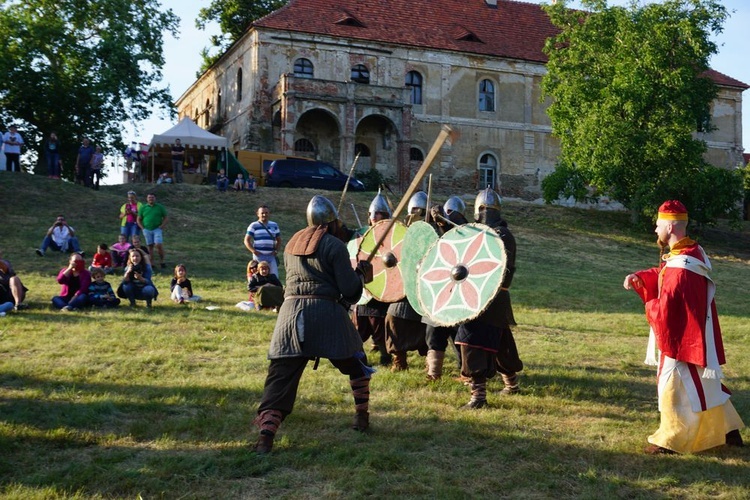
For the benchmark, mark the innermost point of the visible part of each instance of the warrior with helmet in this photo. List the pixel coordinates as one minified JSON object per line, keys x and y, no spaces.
{"x":371,"y":316}
{"x":404,"y":330}
{"x":437,"y":336}
{"x":312,"y":321}
{"x":486,"y":342}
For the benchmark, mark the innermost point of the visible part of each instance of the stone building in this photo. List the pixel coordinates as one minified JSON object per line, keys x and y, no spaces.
{"x":329,"y":79}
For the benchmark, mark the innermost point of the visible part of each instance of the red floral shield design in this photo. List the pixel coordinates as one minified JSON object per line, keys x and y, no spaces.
{"x":461,"y":274}
{"x":386,"y":285}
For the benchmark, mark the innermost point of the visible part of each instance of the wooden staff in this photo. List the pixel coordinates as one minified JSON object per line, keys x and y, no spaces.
{"x":429,"y":197}
{"x":346,"y":186}
{"x":445,"y":132}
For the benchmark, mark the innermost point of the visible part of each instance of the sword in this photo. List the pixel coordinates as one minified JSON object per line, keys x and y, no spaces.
{"x":346,"y":186}
{"x":445,"y":132}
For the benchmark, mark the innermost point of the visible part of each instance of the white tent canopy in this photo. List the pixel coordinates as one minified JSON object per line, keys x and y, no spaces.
{"x":190,"y":135}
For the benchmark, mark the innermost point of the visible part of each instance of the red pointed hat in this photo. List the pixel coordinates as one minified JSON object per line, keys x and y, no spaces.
{"x":673,"y":210}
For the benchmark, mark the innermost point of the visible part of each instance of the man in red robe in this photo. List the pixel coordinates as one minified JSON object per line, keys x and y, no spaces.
{"x":696,"y":413}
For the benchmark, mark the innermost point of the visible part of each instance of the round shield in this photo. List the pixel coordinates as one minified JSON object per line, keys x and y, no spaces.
{"x":386,"y":285}
{"x":352,"y":246}
{"x":460,"y":274}
{"x":418,"y":239}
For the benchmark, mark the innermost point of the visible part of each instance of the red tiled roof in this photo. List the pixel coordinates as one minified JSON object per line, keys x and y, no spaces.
{"x":728,"y":81}
{"x":514,"y":30}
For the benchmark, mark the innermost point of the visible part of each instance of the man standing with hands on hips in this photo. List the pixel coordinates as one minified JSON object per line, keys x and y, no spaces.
{"x":152,"y":217}
{"x":696,"y":413}
{"x":263,"y":239}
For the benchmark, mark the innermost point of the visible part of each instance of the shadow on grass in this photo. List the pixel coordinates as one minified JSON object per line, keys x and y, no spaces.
{"x":454,"y":454}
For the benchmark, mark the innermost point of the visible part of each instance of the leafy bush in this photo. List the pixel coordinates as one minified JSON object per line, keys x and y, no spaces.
{"x":372,"y":179}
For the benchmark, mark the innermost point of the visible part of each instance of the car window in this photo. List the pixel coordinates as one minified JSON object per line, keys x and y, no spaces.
{"x":327,"y":171}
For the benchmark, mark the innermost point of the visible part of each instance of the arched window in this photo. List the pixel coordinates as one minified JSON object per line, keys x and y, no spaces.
{"x":239,"y":84}
{"x":415,"y":154}
{"x":360,"y":74}
{"x":414,"y":81}
{"x":207,"y":114}
{"x":304,"y":147}
{"x":303,"y":68}
{"x":487,"y":171}
{"x":362,"y":150}
{"x":219,"y":111}
{"x":486,"y":96}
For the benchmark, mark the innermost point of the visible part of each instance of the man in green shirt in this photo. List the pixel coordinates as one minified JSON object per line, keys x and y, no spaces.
{"x":152,"y":217}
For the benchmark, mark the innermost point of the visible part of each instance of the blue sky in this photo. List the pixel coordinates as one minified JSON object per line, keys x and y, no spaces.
{"x":182,"y":58}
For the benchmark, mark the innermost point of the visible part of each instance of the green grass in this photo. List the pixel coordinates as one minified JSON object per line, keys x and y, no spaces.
{"x":129,"y":403}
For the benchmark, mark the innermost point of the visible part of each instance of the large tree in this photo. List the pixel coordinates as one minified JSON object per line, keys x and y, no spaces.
{"x":233,"y":17}
{"x":81,"y":68}
{"x":628,"y":93}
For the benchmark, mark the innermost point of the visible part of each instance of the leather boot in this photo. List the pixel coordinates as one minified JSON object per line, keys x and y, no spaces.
{"x":511,"y":384}
{"x":361,"y":421}
{"x":734,"y":438}
{"x":264,"y":444}
{"x":435,"y":364}
{"x":399,"y":362}
{"x":361,"y":393}
{"x":268,"y":421}
{"x":478,"y":396}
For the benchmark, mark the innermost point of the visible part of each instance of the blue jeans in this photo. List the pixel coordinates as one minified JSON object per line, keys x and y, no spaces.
{"x":53,"y":164}
{"x":105,"y":303}
{"x":134,"y":293}
{"x":77,"y":302}
{"x":222,"y":184}
{"x":72,"y":245}
{"x":130,"y":229}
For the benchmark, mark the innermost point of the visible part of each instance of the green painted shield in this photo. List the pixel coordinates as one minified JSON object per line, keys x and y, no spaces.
{"x":460,"y":274}
{"x":386,"y":285}
{"x":418,"y":239}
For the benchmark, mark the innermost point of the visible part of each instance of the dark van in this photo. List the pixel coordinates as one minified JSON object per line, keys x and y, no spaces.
{"x":309,"y":174}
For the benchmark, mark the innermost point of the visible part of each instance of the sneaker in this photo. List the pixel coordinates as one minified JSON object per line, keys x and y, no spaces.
{"x":67,"y":309}
{"x":181,"y":301}
{"x":2,"y":314}
{"x":39,"y":252}
{"x":20,"y":307}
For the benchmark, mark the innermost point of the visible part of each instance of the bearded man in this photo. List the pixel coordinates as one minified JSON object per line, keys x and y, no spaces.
{"x":696,"y":413}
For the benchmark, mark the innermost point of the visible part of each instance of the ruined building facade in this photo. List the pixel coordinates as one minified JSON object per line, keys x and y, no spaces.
{"x":329,"y":79}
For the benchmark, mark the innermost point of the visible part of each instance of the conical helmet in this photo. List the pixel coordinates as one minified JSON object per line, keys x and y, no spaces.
{"x":379,"y":204}
{"x":454,"y":204}
{"x":418,"y":200}
{"x":320,"y":211}
{"x":488,"y":198}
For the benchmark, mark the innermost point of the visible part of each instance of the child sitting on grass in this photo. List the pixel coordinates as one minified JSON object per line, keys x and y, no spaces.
{"x":182,"y":289}
{"x":102,"y":260}
{"x":100,"y":292}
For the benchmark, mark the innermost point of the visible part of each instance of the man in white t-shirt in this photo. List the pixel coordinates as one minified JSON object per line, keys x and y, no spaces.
{"x":12,"y":142}
{"x":61,"y":237}
{"x":263,"y":239}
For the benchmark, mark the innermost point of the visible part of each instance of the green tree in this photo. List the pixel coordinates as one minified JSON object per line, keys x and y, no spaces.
{"x":233,"y":17}
{"x":81,"y":68}
{"x":628,"y":92}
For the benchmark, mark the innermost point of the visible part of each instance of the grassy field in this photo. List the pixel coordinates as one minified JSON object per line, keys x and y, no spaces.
{"x":158,"y":404}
